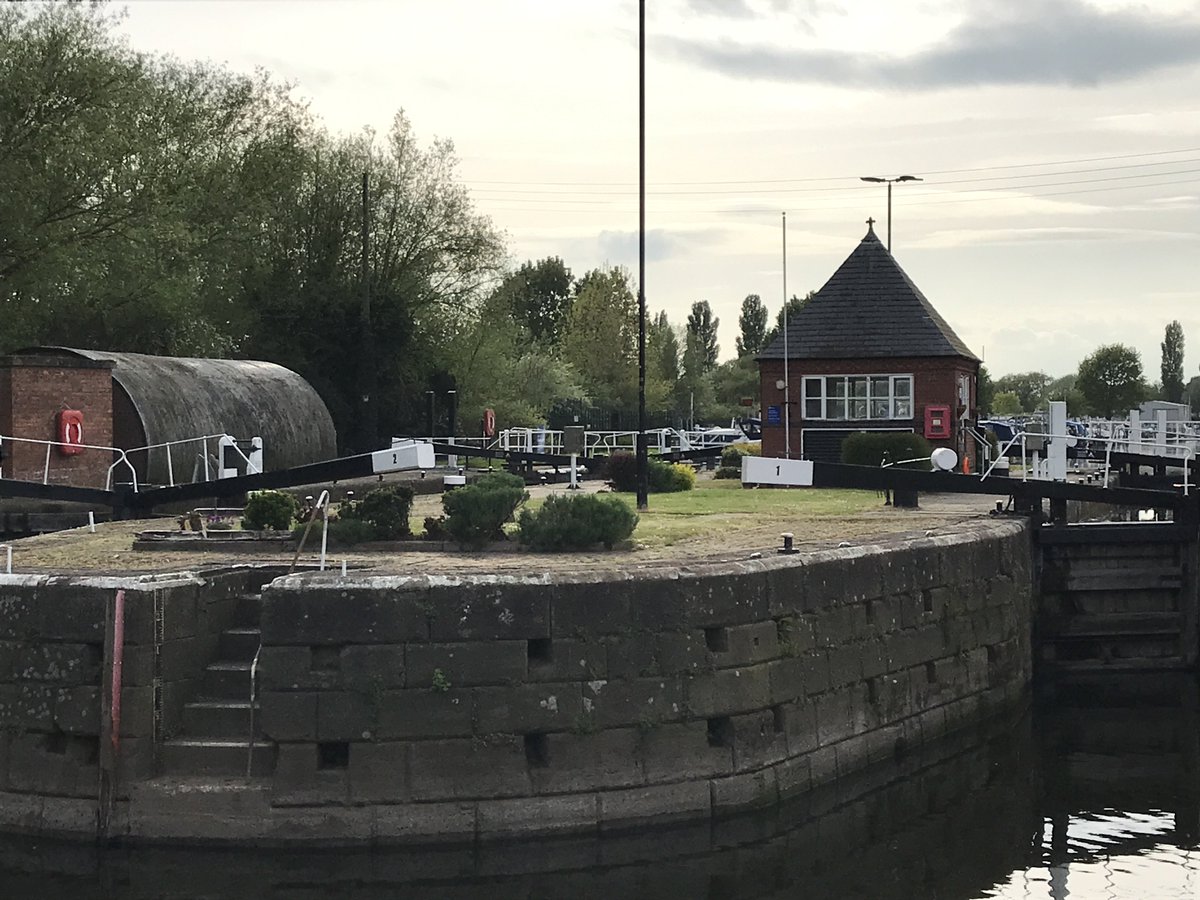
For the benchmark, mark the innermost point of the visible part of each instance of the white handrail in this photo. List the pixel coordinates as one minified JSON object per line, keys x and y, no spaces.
{"x":8,"y":560}
{"x":50,"y":445}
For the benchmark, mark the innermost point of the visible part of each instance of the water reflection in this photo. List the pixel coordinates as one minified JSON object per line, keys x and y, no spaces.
{"x":1093,"y":797}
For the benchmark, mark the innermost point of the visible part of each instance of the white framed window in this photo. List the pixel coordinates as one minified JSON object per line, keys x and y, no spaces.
{"x":851,"y":397}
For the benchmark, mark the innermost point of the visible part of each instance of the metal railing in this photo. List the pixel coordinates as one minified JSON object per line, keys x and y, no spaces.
{"x":50,"y":445}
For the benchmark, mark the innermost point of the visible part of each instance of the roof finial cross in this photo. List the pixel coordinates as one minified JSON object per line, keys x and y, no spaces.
{"x":871,"y":222}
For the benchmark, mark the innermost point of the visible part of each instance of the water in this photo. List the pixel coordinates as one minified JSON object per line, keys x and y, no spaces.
{"x":1095,"y":795}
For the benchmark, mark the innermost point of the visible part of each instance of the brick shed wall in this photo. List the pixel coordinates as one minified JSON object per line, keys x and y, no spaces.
{"x":32,"y":392}
{"x":935,"y":382}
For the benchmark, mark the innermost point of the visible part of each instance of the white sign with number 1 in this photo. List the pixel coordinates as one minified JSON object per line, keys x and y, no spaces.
{"x":765,"y":470}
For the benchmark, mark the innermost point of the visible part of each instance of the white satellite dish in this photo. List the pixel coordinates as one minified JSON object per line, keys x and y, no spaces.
{"x":943,"y":459}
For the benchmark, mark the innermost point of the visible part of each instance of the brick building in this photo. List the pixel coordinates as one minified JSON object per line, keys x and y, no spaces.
{"x":867,"y":353}
{"x":131,"y":400}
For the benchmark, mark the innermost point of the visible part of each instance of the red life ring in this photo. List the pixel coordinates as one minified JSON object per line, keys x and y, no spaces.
{"x":489,"y":423}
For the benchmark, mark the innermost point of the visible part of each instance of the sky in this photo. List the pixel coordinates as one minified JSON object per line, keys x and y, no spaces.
{"x":1058,"y":143}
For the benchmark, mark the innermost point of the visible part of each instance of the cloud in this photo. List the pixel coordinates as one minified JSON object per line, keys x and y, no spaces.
{"x":1054,"y":42}
{"x":661,"y":244}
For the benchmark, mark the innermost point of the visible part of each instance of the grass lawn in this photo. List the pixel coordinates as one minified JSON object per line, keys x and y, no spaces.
{"x":717,"y":506}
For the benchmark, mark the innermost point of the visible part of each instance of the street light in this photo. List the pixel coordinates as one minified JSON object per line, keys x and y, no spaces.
{"x":889,"y":182}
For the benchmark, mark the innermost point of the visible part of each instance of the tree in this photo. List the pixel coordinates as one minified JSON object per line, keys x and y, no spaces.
{"x":1111,"y":379}
{"x":539,"y":297}
{"x":1030,"y":388}
{"x":662,"y":369}
{"x":1005,"y":403}
{"x":600,"y":340}
{"x":985,"y":391}
{"x":703,"y":328}
{"x":1172,"y":363}
{"x":753,"y":324}
{"x":794,"y":305}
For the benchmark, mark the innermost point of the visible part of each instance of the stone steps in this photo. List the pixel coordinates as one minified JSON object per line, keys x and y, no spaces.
{"x":210,"y":756}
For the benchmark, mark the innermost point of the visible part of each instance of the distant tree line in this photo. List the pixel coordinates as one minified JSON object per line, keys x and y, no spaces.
{"x":1108,"y":383}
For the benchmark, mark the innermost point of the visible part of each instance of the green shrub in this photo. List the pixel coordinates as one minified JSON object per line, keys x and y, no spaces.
{"x":348,"y":532}
{"x":269,"y":509}
{"x":435,"y":528}
{"x":476,"y":513}
{"x":576,"y":522}
{"x":728,"y":472}
{"x":662,"y":477}
{"x":867,"y":448}
{"x":731,"y":456}
{"x":385,"y":508}
{"x":621,"y":471}
{"x":670,"y":478}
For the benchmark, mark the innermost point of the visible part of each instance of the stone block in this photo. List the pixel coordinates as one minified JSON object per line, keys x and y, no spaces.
{"x":582,"y":762}
{"x":456,"y":769}
{"x":874,"y":657}
{"x":378,"y":772}
{"x":481,"y":611}
{"x":683,"y":750}
{"x":631,"y":655}
{"x":729,"y":691}
{"x":747,"y":790}
{"x":290,"y":668}
{"x":395,"y":823}
{"x":800,"y":726}
{"x":825,"y":585}
{"x":54,"y":764}
{"x":792,"y":777}
{"x":787,"y":590}
{"x":528,"y":708}
{"x":298,"y":780}
{"x":759,"y":739}
{"x":314,"y":615}
{"x":289,"y":715}
{"x":682,"y":652}
{"x":77,"y":710}
{"x":67,"y":611}
{"x":845,"y":665}
{"x":748,"y":644}
{"x":837,"y":719}
{"x":661,"y":803}
{"x":372,"y":666}
{"x":426,"y":713}
{"x":20,"y":616}
{"x":794,"y":634}
{"x":886,"y":613}
{"x":347,"y":716}
{"x":660,"y":604}
{"x":822,"y":765}
{"x":862,"y":576}
{"x":27,"y":707}
{"x":467,"y":664}
{"x":733,"y":598}
{"x":641,"y":701}
{"x":537,"y":815}
{"x":570,"y":660}
{"x":63,"y":664}
{"x":589,"y":611}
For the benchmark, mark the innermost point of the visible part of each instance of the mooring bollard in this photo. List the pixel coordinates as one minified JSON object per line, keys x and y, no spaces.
{"x":787,"y":543}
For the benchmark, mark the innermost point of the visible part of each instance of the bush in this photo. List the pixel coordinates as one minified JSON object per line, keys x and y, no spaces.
{"x":662,"y":477}
{"x":346,"y":532}
{"x":621,"y":470}
{"x":728,"y":472}
{"x":670,"y":478}
{"x":269,"y":510}
{"x":435,"y":528}
{"x":731,"y":456}
{"x":867,"y":448}
{"x":385,"y":508}
{"x":476,"y":513}
{"x":576,"y":522}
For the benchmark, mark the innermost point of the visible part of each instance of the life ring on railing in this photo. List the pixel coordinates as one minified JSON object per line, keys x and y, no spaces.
{"x":489,"y":423}
{"x":70,"y":432}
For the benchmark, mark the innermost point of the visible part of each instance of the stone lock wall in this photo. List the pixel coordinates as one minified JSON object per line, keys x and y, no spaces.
{"x":54,"y":673}
{"x":502,"y":705}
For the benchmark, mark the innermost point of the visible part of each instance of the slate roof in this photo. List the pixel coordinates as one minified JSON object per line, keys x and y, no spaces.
{"x":869,"y":308}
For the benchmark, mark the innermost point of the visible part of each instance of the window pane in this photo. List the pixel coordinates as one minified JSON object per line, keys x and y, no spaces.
{"x":858,"y":386}
{"x":879,"y":408}
{"x":903,"y":409}
{"x":858,"y":409}
{"x":835,"y":387}
{"x":836,"y":409}
{"x":812,"y":388}
{"x":903,"y":386}
{"x":881,"y":388}
{"x":812,"y":408}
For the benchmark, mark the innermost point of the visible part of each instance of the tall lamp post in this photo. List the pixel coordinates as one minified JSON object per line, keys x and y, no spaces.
{"x":889,"y":182}
{"x":643,"y":465}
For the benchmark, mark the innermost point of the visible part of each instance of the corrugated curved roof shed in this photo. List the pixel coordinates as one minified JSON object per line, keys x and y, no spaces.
{"x":176,"y":398}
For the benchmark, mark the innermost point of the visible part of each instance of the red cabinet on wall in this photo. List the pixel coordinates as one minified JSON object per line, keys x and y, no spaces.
{"x":937,"y":422}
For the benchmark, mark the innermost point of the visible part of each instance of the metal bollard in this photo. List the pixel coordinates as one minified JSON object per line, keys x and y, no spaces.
{"x":787,"y":543}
